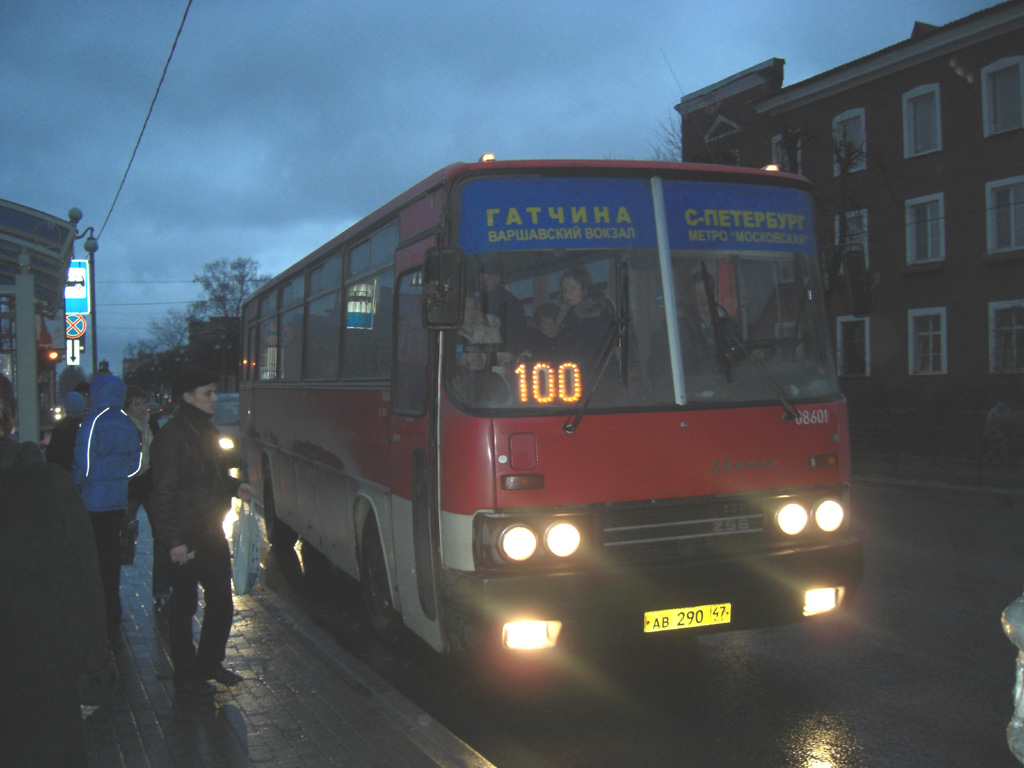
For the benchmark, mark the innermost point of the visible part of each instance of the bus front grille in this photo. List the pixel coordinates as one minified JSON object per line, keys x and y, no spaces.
{"x":669,"y":532}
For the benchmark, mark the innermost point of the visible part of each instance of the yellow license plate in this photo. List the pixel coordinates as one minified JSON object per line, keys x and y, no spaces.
{"x":687,"y":618}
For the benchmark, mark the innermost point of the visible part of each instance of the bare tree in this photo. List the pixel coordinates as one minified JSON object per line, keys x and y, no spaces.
{"x":667,"y":145}
{"x":169,"y":333}
{"x":226,"y":285}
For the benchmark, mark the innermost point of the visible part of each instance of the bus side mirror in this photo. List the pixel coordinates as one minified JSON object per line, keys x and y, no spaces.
{"x":444,"y":288}
{"x":858,"y":284}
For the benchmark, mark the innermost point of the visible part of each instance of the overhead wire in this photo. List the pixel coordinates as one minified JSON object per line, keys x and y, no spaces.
{"x":146,"y":121}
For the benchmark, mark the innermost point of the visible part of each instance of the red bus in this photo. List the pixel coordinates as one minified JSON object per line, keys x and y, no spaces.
{"x":540,"y":403}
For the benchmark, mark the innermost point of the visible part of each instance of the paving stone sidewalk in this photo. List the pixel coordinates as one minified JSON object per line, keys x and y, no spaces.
{"x":304,"y":701}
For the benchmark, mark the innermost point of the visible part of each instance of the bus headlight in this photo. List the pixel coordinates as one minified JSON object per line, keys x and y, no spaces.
{"x":518,"y":543}
{"x":562,"y":539}
{"x":791,"y":519}
{"x":829,"y":515}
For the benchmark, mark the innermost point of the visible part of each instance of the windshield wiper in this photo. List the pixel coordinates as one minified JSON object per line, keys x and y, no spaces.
{"x":790,"y":411}
{"x":616,"y":336}
{"x":717,"y":324}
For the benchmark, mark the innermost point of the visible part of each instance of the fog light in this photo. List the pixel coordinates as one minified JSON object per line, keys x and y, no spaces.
{"x":791,"y":519}
{"x":829,"y":515}
{"x":562,"y":539}
{"x":821,"y":600}
{"x":525,"y":635}
{"x":518,"y":543}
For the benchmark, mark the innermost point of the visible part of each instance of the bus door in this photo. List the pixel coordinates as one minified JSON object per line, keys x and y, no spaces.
{"x":412,"y":464}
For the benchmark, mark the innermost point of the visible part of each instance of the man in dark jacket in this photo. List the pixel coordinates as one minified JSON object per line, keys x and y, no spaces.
{"x":61,"y":448}
{"x":192,"y":491}
{"x":107,"y":454}
{"x":53,"y":648}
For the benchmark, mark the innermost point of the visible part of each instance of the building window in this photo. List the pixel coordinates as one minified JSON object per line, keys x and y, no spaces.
{"x":922,"y":131}
{"x":849,"y":141}
{"x":787,"y":152}
{"x":926,"y":235}
{"x":1001,"y":84}
{"x":927,"y":341}
{"x":853,"y":346}
{"x":852,"y":227}
{"x":1006,"y":336}
{"x":1004,"y":204}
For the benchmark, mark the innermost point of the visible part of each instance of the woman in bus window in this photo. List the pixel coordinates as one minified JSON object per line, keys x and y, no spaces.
{"x":585,"y":317}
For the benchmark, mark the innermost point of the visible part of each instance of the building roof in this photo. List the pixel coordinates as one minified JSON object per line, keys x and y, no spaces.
{"x":767,"y":71}
{"x":925,"y":43}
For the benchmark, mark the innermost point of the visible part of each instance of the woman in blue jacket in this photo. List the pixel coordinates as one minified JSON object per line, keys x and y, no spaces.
{"x":107,"y":454}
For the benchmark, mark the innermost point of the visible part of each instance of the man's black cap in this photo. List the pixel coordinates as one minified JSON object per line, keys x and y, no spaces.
{"x":192,"y":378}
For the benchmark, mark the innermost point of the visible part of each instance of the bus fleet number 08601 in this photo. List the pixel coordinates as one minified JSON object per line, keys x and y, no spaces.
{"x":816,"y":416}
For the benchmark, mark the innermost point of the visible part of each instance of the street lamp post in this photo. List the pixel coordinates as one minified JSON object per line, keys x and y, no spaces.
{"x":91,"y":245}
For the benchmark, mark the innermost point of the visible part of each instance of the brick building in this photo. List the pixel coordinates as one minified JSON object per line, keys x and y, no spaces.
{"x":916,"y":151}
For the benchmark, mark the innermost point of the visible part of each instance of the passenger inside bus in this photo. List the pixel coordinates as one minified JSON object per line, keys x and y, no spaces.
{"x":479,"y":357}
{"x":696,"y":330}
{"x":542,"y":335}
{"x":584,"y":319}
{"x":499,"y":302}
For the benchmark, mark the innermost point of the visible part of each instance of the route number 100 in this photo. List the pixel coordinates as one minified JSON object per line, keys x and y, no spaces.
{"x":546,"y":383}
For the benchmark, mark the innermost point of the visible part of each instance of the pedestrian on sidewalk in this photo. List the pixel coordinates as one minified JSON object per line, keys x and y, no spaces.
{"x":140,"y":487}
{"x":61,"y":448}
{"x":54,"y":656}
{"x":107,"y":454}
{"x":192,"y":492}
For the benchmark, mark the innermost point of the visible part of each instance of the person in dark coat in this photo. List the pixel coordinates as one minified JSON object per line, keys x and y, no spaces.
{"x":541,"y":341}
{"x":108,"y":454}
{"x":61,"y":448}
{"x":140,"y":486}
{"x":498,"y":301}
{"x":54,"y":656}
{"x":586,"y":316}
{"x":191,"y":496}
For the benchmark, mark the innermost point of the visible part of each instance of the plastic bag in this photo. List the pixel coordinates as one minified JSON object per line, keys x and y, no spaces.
{"x":246,"y":541}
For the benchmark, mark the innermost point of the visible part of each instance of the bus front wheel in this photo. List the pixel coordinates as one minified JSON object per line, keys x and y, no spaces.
{"x":279,"y":534}
{"x":384,"y":618}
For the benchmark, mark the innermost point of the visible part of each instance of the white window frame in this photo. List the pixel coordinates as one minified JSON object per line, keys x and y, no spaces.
{"x":912,"y":342}
{"x":781,"y":159}
{"x":939,"y":222}
{"x":841,"y":347}
{"x":991,"y":214}
{"x":993,"y":307}
{"x":987,"y":96}
{"x":910,"y":124}
{"x":851,"y":114}
{"x":862,"y":238}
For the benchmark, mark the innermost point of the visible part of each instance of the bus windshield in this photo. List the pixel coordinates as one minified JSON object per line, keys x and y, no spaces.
{"x":686,"y":322}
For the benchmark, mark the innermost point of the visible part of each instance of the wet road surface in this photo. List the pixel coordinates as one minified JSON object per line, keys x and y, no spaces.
{"x":916,"y":673}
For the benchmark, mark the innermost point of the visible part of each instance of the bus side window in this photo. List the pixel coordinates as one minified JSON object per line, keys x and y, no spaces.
{"x":409,"y":394}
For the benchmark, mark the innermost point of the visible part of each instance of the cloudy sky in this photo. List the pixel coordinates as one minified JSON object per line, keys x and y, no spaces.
{"x":282,"y":122}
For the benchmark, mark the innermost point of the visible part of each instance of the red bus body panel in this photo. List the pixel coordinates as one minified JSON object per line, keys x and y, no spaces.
{"x":639,"y":456}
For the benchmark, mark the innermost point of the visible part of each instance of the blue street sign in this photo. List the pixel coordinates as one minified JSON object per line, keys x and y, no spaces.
{"x":76,"y":293}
